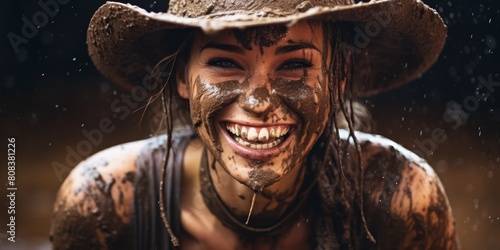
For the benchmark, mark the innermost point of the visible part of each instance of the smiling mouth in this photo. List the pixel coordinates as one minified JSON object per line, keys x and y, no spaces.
{"x":267,"y":137}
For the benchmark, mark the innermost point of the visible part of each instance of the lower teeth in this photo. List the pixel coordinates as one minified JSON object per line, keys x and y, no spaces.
{"x":258,"y":146}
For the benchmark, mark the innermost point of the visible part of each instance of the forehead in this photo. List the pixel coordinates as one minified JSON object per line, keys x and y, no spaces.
{"x":267,"y":36}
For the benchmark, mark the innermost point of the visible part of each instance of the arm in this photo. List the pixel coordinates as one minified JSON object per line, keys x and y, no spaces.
{"x":94,"y":205}
{"x":406,"y":205}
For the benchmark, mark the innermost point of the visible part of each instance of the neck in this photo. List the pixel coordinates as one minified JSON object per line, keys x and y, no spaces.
{"x":269,"y":205}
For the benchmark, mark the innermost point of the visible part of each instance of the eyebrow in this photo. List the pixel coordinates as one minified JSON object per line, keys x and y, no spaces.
{"x":294,"y":47}
{"x":223,"y":46}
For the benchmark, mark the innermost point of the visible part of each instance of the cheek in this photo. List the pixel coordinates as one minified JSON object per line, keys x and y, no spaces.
{"x":322,"y":99}
{"x":308,"y":98}
{"x":206,"y":100}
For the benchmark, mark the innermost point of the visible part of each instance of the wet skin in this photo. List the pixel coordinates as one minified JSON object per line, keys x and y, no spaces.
{"x":278,"y":84}
{"x":281,"y":84}
{"x":405,"y":204}
{"x":275,"y":82}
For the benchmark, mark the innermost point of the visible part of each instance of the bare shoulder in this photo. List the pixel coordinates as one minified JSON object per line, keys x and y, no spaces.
{"x":405,"y":202}
{"x":94,"y":204}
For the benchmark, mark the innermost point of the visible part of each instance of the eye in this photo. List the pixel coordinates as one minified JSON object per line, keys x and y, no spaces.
{"x":223,"y":63}
{"x":295,"y":64}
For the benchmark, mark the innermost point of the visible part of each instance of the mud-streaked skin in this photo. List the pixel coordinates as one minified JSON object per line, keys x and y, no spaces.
{"x":279,"y":84}
{"x":282,"y":84}
{"x":405,"y":204}
{"x":94,"y":205}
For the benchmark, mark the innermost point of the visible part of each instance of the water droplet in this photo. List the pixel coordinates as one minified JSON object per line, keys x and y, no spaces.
{"x":467,"y":220}
{"x":490,"y":174}
{"x":490,"y":41}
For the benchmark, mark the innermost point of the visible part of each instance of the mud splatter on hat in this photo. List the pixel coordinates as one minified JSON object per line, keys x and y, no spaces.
{"x":401,"y":38}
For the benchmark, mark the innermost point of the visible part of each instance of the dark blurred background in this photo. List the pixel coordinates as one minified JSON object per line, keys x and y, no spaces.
{"x":50,"y":92}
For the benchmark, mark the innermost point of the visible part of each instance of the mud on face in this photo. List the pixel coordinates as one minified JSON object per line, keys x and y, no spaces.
{"x":281,"y":84}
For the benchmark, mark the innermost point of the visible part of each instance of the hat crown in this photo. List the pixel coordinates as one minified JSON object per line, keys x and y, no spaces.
{"x":201,"y":8}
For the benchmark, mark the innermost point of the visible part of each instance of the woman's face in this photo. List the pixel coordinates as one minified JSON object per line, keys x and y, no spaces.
{"x":259,"y":99}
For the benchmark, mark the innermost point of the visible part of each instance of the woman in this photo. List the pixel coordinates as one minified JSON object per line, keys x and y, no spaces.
{"x":271,"y":158}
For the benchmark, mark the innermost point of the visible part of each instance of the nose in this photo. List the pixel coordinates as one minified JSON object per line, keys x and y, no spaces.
{"x":257,"y":101}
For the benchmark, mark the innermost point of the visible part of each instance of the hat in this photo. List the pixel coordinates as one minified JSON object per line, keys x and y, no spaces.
{"x":400,"y":38}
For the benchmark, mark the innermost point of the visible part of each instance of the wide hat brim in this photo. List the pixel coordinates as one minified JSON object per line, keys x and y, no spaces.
{"x":394,"y":42}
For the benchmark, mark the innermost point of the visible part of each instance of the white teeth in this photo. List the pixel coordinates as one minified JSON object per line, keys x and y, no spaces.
{"x":258,"y":146}
{"x":247,"y":135}
{"x":284,"y":132}
{"x":263,"y":134}
{"x":255,"y":134}
{"x":244,"y":132}
{"x":252,"y":134}
{"x":237,"y":130}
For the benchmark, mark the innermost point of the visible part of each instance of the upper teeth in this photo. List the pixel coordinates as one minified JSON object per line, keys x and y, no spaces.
{"x":258,"y":133}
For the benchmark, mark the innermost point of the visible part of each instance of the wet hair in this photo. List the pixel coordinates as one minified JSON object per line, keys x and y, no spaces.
{"x":340,"y":182}
{"x":339,"y":172}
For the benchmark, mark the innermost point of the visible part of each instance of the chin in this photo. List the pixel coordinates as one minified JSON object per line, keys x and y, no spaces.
{"x":258,"y":155}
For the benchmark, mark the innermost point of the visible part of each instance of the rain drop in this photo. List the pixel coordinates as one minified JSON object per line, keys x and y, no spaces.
{"x":490,"y":42}
{"x":490,"y":174}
